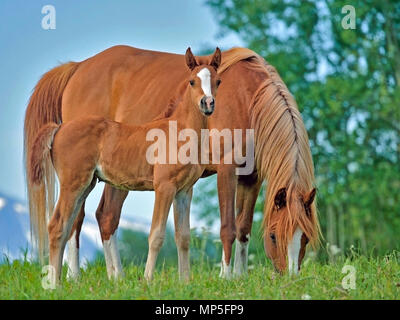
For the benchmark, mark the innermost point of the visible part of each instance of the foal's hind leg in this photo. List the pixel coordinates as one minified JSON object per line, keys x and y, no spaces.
{"x":247,"y":192}
{"x":73,"y":246}
{"x":164,"y":195}
{"x":108,"y":214}
{"x":182,"y":231}
{"x":61,"y":222}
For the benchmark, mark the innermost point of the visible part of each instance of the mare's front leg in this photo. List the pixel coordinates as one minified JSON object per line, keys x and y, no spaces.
{"x":108,"y":214}
{"x":182,"y":231}
{"x":165,"y":194}
{"x":247,"y":192}
{"x":226,"y":180}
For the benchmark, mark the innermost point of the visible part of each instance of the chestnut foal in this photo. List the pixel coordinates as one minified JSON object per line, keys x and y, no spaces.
{"x":88,"y":149}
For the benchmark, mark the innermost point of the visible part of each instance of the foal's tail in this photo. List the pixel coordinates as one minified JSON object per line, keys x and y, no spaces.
{"x":40,"y":154}
{"x":42,"y":203}
{"x":44,"y":107}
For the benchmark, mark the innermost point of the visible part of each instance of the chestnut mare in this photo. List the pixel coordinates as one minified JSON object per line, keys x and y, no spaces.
{"x":88,"y":149}
{"x":131,"y":85}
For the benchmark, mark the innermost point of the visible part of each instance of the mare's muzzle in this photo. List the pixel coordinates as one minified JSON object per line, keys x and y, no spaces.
{"x":207,"y":105}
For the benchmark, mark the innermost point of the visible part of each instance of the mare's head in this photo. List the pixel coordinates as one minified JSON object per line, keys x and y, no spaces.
{"x":290,"y":227}
{"x":204,"y":80}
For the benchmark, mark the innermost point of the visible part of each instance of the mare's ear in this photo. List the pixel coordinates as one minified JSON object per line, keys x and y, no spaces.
{"x":216,"y":59}
{"x":280,"y":198}
{"x":190,"y":59}
{"x":309,"y":199}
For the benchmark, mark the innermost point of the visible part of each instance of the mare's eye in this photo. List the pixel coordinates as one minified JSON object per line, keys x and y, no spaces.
{"x":191,"y":82}
{"x":272,"y":236}
{"x":218,"y":82}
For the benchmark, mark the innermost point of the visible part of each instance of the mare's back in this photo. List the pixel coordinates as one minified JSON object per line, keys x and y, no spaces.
{"x":124,"y":84}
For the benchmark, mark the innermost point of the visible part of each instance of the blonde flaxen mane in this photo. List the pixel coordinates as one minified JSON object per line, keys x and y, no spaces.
{"x":281,"y":135}
{"x":282,"y":153}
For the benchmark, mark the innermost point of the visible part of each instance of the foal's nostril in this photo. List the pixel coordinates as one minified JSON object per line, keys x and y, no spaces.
{"x":207,"y":105}
{"x":210,"y":101}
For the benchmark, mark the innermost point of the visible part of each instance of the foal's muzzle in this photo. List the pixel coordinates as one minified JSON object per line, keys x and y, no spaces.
{"x":207,"y":105}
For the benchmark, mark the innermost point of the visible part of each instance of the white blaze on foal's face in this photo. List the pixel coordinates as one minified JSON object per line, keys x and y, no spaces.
{"x":294,"y":251}
{"x":205,"y":78}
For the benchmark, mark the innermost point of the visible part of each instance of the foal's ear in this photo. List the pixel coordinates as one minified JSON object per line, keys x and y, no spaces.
{"x":280,"y":198}
{"x":216,"y":59}
{"x":190,"y":59}
{"x":309,"y":198}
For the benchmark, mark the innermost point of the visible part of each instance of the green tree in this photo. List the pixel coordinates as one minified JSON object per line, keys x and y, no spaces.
{"x":346,"y":83}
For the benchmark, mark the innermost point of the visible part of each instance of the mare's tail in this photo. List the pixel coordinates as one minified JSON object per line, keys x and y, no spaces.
{"x":44,"y":107}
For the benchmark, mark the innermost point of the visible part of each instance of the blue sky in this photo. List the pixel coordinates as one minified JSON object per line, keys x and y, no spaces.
{"x":84,"y":28}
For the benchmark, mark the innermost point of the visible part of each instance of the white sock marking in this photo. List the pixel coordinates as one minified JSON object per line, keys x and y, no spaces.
{"x":73,"y":258}
{"x":111,"y":255}
{"x":225,"y":269}
{"x":241,"y":257}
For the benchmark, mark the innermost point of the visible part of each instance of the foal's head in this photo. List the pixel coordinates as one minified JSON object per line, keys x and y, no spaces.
{"x":204,"y":80}
{"x":291,"y":226}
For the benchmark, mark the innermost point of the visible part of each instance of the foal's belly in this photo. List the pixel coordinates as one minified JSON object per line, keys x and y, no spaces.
{"x":142,"y":181}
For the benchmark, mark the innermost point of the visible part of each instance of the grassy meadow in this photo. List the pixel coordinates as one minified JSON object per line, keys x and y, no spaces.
{"x":375,"y":278}
{"x":346,"y":82}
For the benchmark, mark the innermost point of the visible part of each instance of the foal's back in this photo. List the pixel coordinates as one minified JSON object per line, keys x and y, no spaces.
{"x":77,"y":145}
{"x":112,"y":151}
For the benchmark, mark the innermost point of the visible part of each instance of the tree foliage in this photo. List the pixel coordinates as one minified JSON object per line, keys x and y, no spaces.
{"x":346,"y":83}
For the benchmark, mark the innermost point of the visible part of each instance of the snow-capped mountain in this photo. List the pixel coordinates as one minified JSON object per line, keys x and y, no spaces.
{"x":14,"y":228}
{"x":15,"y":236}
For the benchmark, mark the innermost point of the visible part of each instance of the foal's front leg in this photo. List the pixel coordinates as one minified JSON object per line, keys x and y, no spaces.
{"x":182,"y":231}
{"x":164,"y":195}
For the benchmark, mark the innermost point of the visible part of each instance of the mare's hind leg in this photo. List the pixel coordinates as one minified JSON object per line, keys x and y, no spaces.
{"x":182,"y":231}
{"x":164,"y":195}
{"x":247,"y":192}
{"x":108,"y":214}
{"x":62,"y":220}
{"x":73,"y":246}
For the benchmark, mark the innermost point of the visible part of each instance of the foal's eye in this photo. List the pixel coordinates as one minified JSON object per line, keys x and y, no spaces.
{"x":191,"y":82}
{"x":273,"y":238}
{"x":218,"y":82}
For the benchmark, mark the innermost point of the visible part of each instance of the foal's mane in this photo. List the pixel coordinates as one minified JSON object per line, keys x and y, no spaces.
{"x":283,"y":155}
{"x":173,"y":102}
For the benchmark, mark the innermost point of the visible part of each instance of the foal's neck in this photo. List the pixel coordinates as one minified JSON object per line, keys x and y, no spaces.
{"x":188,"y":115}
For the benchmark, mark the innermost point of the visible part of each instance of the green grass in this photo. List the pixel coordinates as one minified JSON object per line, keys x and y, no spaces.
{"x":376,"y":278}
